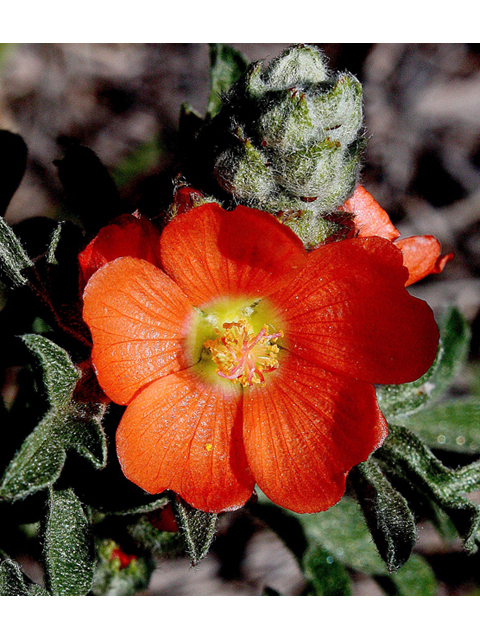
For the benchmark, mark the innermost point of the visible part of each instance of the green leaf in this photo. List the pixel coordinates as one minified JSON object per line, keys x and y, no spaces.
{"x":402,"y":400}
{"x":226,"y":67}
{"x":453,"y":426}
{"x":325,"y":575}
{"x":404,"y":456}
{"x":197,"y":528}
{"x":387,"y":514}
{"x":68,"y":548}
{"x":342,"y":532}
{"x":59,"y":373}
{"x":67,"y":425}
{"x":415,"y":578}
{"x":13,"y":258}
{"x":13,"y":582}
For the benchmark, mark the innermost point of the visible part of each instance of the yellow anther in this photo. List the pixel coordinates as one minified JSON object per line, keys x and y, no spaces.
{"x":241,"y":355}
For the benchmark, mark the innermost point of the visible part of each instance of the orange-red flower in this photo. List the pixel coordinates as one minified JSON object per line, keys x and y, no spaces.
{"x":245,"y":360}
{"x":421,"y":254}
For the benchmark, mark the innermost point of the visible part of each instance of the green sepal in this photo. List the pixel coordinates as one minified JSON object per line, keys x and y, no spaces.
{"x":68,"y":546}
{"x":13,"y":582}
{"x":416,"y":578}
{"x":197,"y":529}
{"x":397,"y":402}
{"x":386,"y":512}
{"x":324,"y":574}
{"x":13,"y":257}
{"x":66,"y":425}
{"x":406,"y":458}
{"x":13,"y":162}
{"x":453,"y":426}
{"x":226,"y":66}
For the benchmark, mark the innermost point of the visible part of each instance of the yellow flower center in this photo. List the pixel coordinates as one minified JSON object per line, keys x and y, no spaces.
{"x":241,"y":355}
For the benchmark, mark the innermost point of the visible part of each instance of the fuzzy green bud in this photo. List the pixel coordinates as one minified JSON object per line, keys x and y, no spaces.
{"x":288,"y":140}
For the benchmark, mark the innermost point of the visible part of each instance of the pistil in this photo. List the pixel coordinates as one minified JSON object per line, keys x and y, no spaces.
{"x":241,"y":355}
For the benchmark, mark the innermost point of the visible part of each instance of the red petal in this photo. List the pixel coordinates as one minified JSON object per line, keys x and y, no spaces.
{"x":369,"y":217}
{"x":127,"y":235}
{"x":185,"y":435}
{"x":349,"y":312}
{"x":212,"y":253}
{"x":421,"y":256}
{"x":305,"y":430}
{"x":139,"y":321}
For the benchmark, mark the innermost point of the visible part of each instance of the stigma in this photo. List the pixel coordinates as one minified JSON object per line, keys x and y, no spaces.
{"x":242,"y":356}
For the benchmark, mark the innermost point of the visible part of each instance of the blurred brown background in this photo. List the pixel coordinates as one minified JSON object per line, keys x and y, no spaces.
{"x":422,"y":113}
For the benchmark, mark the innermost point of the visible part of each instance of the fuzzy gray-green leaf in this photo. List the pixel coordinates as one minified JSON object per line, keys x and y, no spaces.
{"x":13,"y":258}
{"x":68,"y":549}
{"x":13,"y":581}
{"x":403,"y":455}
{"x":67,"y":425}
{"x":59,"y":374}
{"x":387,"y":514}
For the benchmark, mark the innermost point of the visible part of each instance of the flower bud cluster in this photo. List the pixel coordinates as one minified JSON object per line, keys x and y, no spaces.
{"x":293,"y":141}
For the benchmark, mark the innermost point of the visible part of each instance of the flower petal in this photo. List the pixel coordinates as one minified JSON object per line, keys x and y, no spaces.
{"x":369,"y":217}
{"x":305,"y":430}
{"x":212,"y":253}
{"x":349,"y":312}
{"x":139,"y":320}
{"x":127,"y":235}
{"x":185,"y":435}
{"x":421,"y":256}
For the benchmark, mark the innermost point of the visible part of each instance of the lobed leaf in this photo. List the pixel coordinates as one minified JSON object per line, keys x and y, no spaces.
{"x":68,"y":547}
{"x":386,"y":512}
{"x":197,"y":529}
{"x":397,"y":402}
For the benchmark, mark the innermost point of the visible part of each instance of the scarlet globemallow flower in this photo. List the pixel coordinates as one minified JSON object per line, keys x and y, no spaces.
{"x":244,"y":360}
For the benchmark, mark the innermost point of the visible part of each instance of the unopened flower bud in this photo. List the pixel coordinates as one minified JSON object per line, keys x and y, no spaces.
{"x":288,"y":140}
